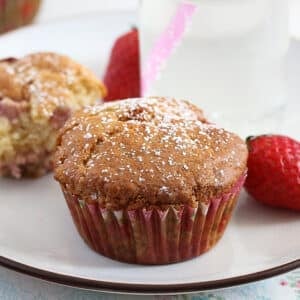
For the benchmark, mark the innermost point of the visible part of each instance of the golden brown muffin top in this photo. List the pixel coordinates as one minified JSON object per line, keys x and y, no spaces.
{"x":147,"y":152}
{"x":44,"y":81}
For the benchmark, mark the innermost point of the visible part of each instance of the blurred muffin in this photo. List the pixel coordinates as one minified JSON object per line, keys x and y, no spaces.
{"x":14,"y":14}
{"x":37,"y":95}
{"x":149,"y":180}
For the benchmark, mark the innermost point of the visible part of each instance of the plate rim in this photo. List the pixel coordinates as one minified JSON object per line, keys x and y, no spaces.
{"x":145,"y":289}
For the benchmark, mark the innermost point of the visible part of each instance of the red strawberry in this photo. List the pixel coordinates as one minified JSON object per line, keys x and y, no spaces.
{"x":122,"y":76}
{"x":274,"y":170}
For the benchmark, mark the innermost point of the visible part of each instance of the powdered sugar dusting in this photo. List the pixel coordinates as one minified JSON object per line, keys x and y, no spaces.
{"x":46,"y":81}
{"x":88,"y":135}
{"x":151,"y":141}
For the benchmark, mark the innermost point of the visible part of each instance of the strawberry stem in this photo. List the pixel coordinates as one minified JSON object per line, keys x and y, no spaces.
{"x":249,"y":138}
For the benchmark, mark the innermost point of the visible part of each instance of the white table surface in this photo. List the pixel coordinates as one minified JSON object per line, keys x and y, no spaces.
{"x":14,"y":286}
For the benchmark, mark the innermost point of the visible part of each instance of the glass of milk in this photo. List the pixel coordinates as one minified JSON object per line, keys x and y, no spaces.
{"x":228,"y":60}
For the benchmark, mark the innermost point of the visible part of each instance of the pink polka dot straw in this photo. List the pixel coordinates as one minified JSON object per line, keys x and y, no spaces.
{"x":166,"y":43}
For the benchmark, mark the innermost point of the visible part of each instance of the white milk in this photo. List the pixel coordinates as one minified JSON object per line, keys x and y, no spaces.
{"x":229,"y":62}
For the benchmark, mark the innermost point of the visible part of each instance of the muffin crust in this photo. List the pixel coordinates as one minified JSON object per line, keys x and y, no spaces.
{"x":147,"y":152}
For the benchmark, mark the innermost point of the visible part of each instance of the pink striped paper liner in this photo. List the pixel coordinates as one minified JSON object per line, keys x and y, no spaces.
{"x":168,"y":40}
{"x":153,"y":236}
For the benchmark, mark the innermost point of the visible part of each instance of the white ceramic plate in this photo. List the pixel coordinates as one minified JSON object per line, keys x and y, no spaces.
{"x":37,"y":236}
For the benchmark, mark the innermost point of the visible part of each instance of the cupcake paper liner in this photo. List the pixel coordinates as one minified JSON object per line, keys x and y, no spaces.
{"x":153,"y":236}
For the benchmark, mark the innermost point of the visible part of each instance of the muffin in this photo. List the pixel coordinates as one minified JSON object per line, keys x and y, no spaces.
{"x":149,"y":180}
{"x":14,"y":14}
{"x":37,"y":94}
